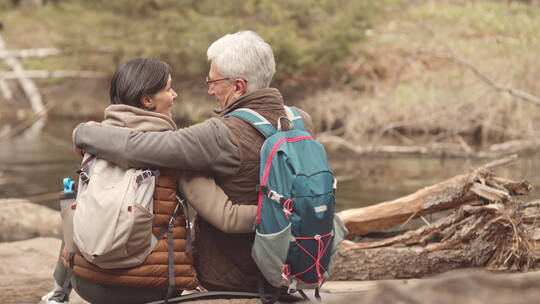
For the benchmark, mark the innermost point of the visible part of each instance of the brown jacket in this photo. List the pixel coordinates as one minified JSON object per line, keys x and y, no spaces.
{"x":225,"y":259}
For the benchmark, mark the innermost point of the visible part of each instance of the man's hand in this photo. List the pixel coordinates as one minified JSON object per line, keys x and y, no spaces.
{"x":78,"y":150}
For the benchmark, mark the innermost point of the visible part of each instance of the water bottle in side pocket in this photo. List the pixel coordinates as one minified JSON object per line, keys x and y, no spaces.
{"x":67,"y":209}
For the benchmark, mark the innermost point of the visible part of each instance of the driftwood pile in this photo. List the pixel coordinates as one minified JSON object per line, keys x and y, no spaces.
{"x":486,"y":225}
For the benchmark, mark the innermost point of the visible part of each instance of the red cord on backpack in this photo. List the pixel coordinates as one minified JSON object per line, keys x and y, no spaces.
{"x":285,"y":273}
{"x":321,"y":250}
{"x":287,"y":208}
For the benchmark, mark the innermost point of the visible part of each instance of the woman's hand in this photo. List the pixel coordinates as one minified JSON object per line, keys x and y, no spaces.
{"x":78,"y":150}
{"x":95,"y":123}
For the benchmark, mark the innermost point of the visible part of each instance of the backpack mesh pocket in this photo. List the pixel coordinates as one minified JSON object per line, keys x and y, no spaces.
{"x":270,"y":253}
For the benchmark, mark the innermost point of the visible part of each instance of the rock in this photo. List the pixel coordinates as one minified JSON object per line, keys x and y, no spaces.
{"x":21,"y":220}
{"x":26,"y":271}
{"x":464,"y":286}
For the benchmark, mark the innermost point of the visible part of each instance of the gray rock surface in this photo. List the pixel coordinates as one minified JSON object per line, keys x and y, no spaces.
{"x":26,"y":270}
{"x":21,"y":220}
{"x":464,"y":286}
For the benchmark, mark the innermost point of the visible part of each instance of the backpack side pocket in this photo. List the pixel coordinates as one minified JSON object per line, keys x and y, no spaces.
{"x":270,"y":253}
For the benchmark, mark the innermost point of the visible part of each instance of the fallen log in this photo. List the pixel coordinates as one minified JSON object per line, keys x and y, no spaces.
{"x":491,"y":235}
{"x":516,"y":146}
{"x":488,"y":227}
{"x":480,"y":183}
{"x":459,"y":150}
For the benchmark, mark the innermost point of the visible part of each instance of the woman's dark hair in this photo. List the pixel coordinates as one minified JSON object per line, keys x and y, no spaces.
{"x":137,"y":78}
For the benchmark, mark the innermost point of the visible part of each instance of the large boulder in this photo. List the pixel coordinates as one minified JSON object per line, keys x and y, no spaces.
{"x":21,"y":220}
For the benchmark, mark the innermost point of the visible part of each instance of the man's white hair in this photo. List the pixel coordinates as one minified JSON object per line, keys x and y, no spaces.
{"x":244,"y":55}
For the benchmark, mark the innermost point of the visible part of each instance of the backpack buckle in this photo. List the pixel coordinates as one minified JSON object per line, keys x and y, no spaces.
{"x":173,"y":217}
{"x":280,"y":127}
{"x":273,"y":195}
{"x":292,"y":286}
{"x":84,"y":176}
{"x":144,"y":176}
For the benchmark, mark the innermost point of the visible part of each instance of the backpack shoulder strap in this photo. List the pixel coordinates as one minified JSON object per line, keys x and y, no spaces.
{"x":294,"y":115}
{"x":86,"y":167}
{"x":255,"y":119}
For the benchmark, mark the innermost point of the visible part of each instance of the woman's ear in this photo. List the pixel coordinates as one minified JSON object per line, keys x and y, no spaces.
{"x":146,"y":101}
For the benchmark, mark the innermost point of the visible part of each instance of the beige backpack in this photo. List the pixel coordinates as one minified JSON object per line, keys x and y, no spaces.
{"x":113,"y":214}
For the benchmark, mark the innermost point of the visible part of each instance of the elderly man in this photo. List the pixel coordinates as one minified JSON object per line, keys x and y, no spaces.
{"x":242,"y":66}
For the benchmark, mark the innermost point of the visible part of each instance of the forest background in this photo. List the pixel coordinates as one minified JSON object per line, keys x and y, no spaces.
{"x":412,"y":72}
{"x":402,"y":78}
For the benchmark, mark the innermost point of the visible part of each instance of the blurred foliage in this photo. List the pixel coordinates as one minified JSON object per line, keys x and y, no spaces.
{"x":394,"y":85}
{"x":404,"y":85}
{"x":307,"y":36}
{"x":5,"y":4}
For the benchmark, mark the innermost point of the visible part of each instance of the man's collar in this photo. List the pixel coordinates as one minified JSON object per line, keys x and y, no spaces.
{"x":244,"y":99}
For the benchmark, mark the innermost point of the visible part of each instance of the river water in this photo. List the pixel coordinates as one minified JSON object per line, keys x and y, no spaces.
{"x":33,"y":166}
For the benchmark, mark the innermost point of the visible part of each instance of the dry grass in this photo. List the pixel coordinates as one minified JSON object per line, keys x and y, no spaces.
{"x":401,"y":84}
{"x":395,"y":86}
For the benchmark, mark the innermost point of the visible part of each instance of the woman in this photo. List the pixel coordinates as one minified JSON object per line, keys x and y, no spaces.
{"x":142,"y":97}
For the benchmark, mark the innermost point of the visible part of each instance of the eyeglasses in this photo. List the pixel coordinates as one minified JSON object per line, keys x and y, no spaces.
{"x":212,"y":82}
{"x":209,"y":81}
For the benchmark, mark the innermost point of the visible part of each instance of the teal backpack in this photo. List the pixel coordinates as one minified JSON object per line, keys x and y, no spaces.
{"x":297,"y":233}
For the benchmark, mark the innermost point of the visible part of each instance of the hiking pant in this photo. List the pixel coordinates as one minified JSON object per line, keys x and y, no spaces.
{"x":102,"y":293}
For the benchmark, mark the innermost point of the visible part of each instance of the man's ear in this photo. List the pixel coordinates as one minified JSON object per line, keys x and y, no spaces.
{"x":241,"y":85}
{"x":147,"y":101}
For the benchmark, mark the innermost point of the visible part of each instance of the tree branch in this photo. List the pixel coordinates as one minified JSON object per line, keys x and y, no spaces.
{"x":514,"y":92}
{"x":28,"y":86}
